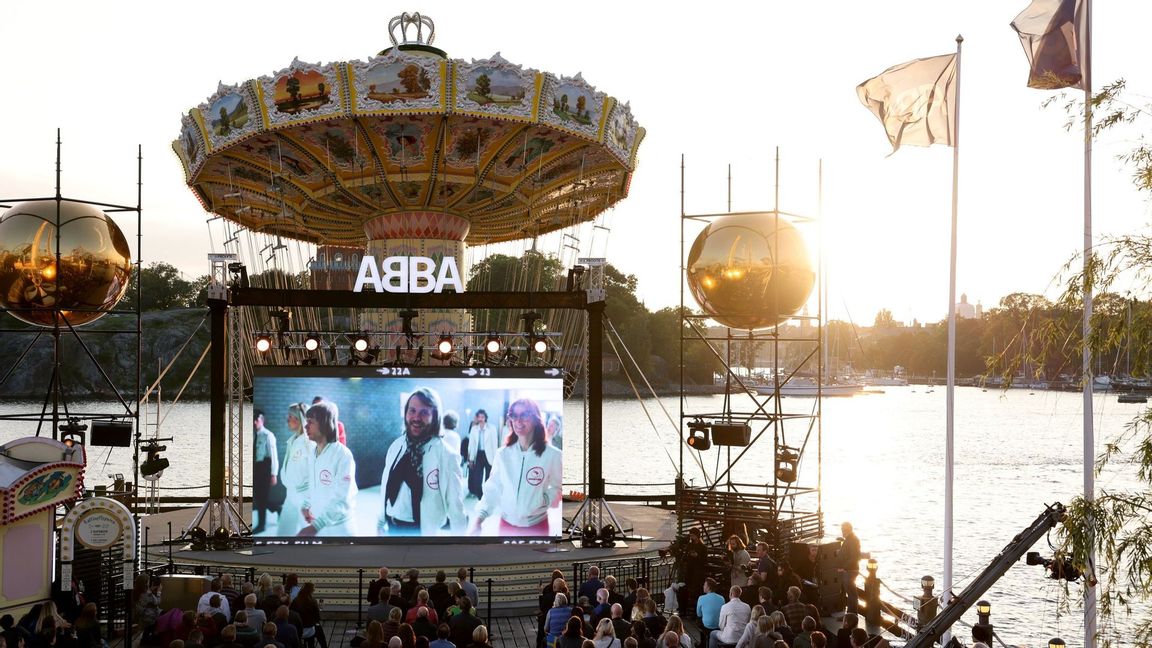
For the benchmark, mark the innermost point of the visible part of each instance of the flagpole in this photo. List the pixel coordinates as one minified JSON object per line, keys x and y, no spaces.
{"x":949,"y":444}
{"x":1089,"y":432}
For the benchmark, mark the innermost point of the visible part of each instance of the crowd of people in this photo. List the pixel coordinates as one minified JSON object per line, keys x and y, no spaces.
{"x":401,"y":613}
{"x":599,"y":614}
{"x":512,"y":471}
{"x":47,"y":625}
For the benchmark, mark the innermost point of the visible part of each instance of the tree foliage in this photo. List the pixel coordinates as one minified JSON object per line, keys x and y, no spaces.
{"x":162,"y":287}
{"x":1115,"y":526}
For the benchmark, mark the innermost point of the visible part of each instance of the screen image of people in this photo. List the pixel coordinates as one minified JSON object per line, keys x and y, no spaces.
{"x":402,"y":457}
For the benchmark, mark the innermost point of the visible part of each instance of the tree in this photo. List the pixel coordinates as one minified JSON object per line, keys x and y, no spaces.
{"x":410,"y":78}
{"x":580,"y":103}
{"x":884,"y":319}
{"x":483,"y":85}
{"x":162,"y":287}
{"x":1116,"y":525}
{"x":294,"y":90}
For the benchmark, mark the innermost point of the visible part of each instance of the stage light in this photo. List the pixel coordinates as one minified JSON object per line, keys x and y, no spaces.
{"x":72,"y":432}
{"x":1056,"y":642}
{"x":787,"y":459}
{"x":698,"y":435}
{"x":539,"y":344}
{"x":263,"y":343}
{"x":445,"y":346}
{"x":360,"y":343}
{"x":607,"y":536}
{"x":199,"y":538}
{"x":153,"y":466}
{"x":221,"y":539}
{"x":283,"y":319}
{"x":312,"y":342}
{"x":492,"y":344}
{"x":589,"y":536}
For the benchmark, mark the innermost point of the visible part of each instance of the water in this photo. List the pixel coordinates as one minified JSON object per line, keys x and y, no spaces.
{"x":883,"y":469}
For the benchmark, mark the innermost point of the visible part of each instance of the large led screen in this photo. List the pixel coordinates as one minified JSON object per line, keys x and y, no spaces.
{"x":385,"y":452}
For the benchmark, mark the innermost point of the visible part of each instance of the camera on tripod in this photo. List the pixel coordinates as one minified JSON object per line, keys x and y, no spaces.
{"x":1061,"y":569}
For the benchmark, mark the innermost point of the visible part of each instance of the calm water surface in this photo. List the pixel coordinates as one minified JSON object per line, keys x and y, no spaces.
{"x":883,"y":469}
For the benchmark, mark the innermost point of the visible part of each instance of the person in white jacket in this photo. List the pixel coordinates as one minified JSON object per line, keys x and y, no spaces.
{"x":483,"y":444}
{"x":526,"y":477}
{"x":296,"y":471}
{"x":421,"y":485}
{"x":332,"y":483}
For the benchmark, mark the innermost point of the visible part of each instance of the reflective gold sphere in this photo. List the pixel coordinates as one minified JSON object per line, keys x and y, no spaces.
{"x":750,"y":271}
{"x":95,"y":263}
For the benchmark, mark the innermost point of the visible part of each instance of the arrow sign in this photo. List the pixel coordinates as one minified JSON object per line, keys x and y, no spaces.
{"x":552,"y":372}
{"x":469,"y":372}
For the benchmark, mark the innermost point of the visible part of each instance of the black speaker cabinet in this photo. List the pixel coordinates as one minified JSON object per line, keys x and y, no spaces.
{"x":731,"y":434}
{"x":111,"y":433}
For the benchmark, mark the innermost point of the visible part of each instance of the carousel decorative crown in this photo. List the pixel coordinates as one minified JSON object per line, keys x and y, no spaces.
{"x":406,"y":20}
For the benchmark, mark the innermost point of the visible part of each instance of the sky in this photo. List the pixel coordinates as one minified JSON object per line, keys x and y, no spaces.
{"x":722,"y":83}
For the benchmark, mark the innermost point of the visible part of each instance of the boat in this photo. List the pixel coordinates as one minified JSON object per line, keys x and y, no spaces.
{"x":803,"y":387}
{"x":1131,"y":397}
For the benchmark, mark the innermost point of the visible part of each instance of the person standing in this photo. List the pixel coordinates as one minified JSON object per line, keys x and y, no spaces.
{"x":332,"y":491}
{"x":483,"y":442}
{"x":421,"y":481}
{"x":265,"y":466}
{"x":849,"y":565}
{"x":298,"y":459}
{"x":526,"y":478}
{"x":739,"y":559}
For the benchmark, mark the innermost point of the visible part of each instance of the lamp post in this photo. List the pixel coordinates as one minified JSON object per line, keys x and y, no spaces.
{"x":982,"y":631}
{"x":872,"y":594}
{"x":926,"y":604}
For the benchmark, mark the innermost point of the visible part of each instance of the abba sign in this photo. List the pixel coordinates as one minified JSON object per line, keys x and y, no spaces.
{"x":397,"y":274}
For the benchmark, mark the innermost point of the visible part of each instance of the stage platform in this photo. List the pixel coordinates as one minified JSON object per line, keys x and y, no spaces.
{"x":517,"y":570}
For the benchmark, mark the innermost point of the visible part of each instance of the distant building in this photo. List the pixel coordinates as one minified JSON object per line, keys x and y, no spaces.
{"x":335,"y":267}
{"x":964,"y":310}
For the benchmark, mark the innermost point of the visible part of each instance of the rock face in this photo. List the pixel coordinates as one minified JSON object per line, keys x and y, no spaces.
{"x":105,"y":347}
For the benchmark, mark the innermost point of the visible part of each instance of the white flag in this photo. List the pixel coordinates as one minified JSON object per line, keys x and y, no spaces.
{"x":914,"y":101}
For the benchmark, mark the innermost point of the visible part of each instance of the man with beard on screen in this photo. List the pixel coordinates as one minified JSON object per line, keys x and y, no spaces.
{"x":421,"y":485}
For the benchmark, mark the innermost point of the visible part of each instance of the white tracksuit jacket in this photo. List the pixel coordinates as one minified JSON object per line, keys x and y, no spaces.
{"x":522,"y":485}
{"x":443,"y":497}
{"x":332,"y":490}
{"x":295,"y":475}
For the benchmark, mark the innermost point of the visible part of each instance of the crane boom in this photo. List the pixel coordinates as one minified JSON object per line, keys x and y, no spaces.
{"x":931,"y":632}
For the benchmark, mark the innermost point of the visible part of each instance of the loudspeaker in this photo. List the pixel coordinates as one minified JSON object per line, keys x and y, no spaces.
{"x":731,"y":434}
{"x":111,"y":433}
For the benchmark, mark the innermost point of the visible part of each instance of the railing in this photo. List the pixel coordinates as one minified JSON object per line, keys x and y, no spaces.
{"x":653,"y":573}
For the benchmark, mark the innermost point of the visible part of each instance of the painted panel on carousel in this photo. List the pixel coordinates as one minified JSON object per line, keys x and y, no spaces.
{"x":229,"y":116}
{"x":528,"y":155}
{"x":397,"y":82}
{"x":190,"y":146}
{"x":472,"y":140}
{"x":337,"y":144}
{"x":622,"y":132}
{"x":572,"y":104}
{"x":300,"y":93}
{"x":405,"y":140}
{"x":37,"y":474}
{"x":496,"y":87}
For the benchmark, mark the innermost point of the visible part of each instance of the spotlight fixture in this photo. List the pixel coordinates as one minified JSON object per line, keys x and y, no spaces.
{"x":492,"y":343}
{"x":263,"y":343}
{"x":312,"y":342}
{"x":445,"y":346}
{"x":787,"y":459}
{"x":72,"y":432}
{"x":360,"y":343}
{"x":698,"y":433}
{"x":199,"y":538}
{"x":607,"y":537}
{"x":589,"y":536}
{"x":539,"y":344}
{"x":152,"y":468}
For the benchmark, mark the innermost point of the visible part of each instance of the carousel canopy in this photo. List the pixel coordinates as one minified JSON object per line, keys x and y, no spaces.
{"x":314,"y":152}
